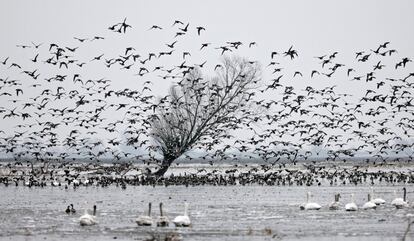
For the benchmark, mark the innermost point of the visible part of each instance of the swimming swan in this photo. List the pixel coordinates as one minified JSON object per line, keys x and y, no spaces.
{"x":309,"y":205}
{"x":400,"y":202}
{"x":163,"y":221}
{"x":370,"y":204}
{"x":377,"y":201}
{"x":352,"y":205}
{"x":183,"y":220}
{"x":145,"y":220}
{"x":87,"y":219}
{"x":335,"y":204}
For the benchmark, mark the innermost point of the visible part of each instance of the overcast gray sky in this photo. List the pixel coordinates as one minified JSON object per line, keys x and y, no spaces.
{"x":318,"y":25}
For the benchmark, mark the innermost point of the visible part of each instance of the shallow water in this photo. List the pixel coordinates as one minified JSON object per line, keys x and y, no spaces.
{"x":217,"y":213}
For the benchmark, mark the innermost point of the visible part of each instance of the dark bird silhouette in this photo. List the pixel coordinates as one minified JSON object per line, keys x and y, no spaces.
{"x":155,"y":27}
{"x":275,"y":83}
{"x":272,"y":63}
{"x":291,"y":53}
{"x":11,"y":114}
{"x":202,"y":65}
{"x":204,"y":45}
{"x":22,"y":46}
{"x":378,"y":66}
{"x":80,"y":39}
{"x":97,"y":38}
{"x":179,"y":34}
{"x":185,"y":29}
{"x":124,"y":26}
{"x":19,"y":91}
{"x":177,"y":22}
{"x":63,"y":64}
{"x":128,"y":50}
{"x":15,"y":65}
{"x":172,"y":44}
{"x":4,"y":62}
{"x":72,"y":49}
{"x":52,"y":45}
{"x":320,"y":57}
{"x":357,"y":54}
{"x":297,"y":73}
{"x":314,"y":72}
{"x":384,"y":45}
{"x":185,"y":54}
{"x":36,"y":46}
{"x":34,"y":60}
{"x":224,"y":49}
{"x":97,"y":57}
{"x":199,"y":29}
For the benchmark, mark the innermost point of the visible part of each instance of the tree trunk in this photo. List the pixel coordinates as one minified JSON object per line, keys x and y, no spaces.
{"x":166,"y":163}
{"x":162,"y":170}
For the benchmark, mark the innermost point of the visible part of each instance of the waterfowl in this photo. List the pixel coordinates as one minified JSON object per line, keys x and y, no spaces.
{"x":73,"y":211}
{"x":183,"y":220}
{"x":55,"y":183}
{"x":145,"y":220}
{"x":162,"y":220}
{"x":335,"y":204}
{"x":370,"y":204}
{"x":352,"y":205}
{"x":377,"y":201}
{"x":400,"y":202}
{"x":309,"y":205}
{"x":87,"y":219}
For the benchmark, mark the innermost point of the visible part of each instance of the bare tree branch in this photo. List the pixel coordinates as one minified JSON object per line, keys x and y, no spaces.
{"x":201,"y":109}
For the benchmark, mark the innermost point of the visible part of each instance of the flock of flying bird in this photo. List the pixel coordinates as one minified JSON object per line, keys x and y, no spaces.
{"x":67,"y":115}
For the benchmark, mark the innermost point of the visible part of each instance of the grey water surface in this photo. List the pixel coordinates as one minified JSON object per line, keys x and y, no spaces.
{"x":217,"y":213}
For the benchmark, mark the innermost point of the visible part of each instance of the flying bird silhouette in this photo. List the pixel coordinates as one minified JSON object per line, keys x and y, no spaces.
{"x":199,"y":29}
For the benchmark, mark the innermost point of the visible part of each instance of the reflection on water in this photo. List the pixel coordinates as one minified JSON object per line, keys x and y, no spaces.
{"x":217,"y":212}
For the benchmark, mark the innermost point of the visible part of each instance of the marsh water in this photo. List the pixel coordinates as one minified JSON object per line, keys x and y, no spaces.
{"x":217,"y":213}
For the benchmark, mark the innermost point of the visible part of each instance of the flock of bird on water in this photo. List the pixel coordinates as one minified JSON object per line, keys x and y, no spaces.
{"x":184,"y":220}
{"x":93,"y":175}
{"x":143,"y":220}
{"x":64,"y":116}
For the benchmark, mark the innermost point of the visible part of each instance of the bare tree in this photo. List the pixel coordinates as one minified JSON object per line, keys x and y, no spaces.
{"x":201,"y":112}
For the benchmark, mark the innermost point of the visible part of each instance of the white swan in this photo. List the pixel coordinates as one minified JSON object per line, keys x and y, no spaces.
{"x":162,"y":221}
{"x":183,"y":220}
{"x":352,"y":205}
{"x":87,"y":219}
{"x":145,"y":220}
{"x":370,"y":204}
{"x":335,"y":204}
{"x":400,"y":202}
{"x":309,"y":205}
{"x":377,"y":201}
